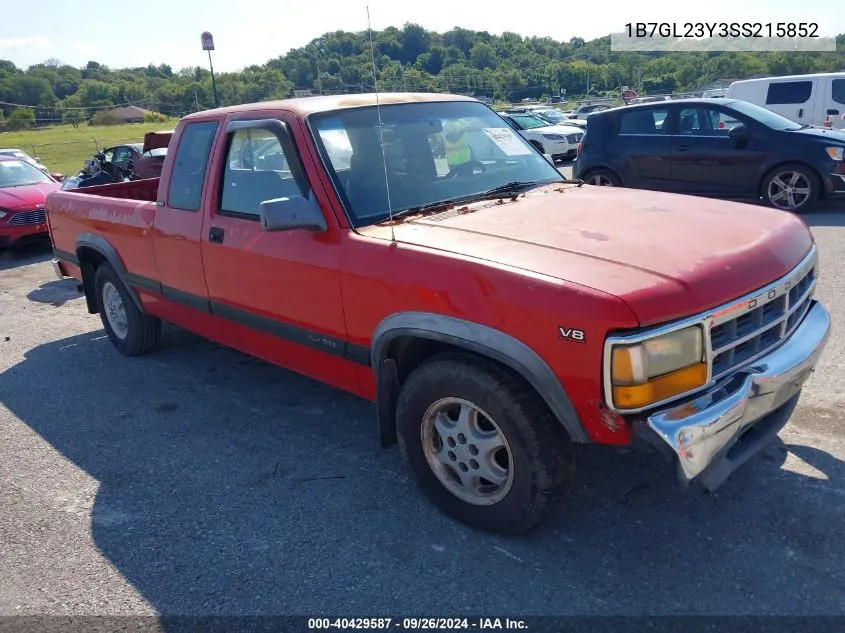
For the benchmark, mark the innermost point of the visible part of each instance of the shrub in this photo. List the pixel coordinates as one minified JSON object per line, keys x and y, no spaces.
{"x":21,"y":119}
{"x":154,"y":117}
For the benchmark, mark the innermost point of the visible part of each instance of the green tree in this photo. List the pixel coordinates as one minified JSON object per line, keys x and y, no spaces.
{"x":73,"y":117}
{"x":21,"y":119}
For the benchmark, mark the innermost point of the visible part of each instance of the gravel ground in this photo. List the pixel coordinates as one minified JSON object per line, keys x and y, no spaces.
{"x":200,"y":481}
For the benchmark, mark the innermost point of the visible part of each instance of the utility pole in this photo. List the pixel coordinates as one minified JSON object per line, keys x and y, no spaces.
{"x":208,"y":45}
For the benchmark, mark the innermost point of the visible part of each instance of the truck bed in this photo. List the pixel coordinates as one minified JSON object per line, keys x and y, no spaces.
{"x":146,"y":189}
{"x":121,"y":214}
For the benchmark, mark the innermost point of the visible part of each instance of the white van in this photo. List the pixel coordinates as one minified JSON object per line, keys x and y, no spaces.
{"x":806,"y":99}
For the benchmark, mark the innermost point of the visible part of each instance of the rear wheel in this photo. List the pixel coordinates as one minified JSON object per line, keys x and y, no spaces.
{"x":483,"y":447}
{"x":791,"y":187}
{"x":130,"y":330}
{"x":602,"y":178}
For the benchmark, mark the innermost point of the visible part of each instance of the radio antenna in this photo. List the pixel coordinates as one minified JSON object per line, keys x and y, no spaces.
{"x":380,"y":128}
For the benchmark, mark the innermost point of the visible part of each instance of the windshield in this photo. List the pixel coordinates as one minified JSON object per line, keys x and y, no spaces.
{"x":17,"y":173}
{"x":434,"y":152}
{"x":766,"y":117}
{"x":552,"y":116}
{"x":528,"y":121}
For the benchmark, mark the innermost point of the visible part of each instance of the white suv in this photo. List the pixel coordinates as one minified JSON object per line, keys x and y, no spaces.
{"x":559,"y":141}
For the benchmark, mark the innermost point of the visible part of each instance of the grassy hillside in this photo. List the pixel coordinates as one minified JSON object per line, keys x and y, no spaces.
{"x":64,"y":148}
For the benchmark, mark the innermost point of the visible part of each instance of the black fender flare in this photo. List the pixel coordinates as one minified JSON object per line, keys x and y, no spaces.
{"x":482,"y":340}
{"x":103,"y":247}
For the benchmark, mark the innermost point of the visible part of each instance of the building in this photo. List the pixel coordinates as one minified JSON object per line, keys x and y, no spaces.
{"x":128,"y":114}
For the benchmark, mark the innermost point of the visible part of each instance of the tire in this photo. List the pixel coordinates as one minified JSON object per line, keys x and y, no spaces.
{"x":130,"y":330}
{"x":530,"y":471}
{"x":602,"y":177}
{"x":791,"y":187}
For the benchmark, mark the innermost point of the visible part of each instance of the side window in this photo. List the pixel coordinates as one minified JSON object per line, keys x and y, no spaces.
{"x":121,"y":155}
{"x":838,"y":90}
{"x":260,"y":165}
{"x":789,"y":92}
{"x":643,"y":121}
{"x":688,"y":122}
{"x":190,"y":165}
{"x":705,"y":122}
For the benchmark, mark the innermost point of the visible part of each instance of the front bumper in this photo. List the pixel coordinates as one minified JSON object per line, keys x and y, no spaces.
{"x":559,"y":149}
{"x":715,"y":432}
{"x":835,"y":183}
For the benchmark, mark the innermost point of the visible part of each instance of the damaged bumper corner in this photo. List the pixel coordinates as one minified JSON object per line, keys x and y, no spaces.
{"x":715,"y":432}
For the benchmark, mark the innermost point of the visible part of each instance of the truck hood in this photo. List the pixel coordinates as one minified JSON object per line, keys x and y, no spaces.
{"x":666,"y":255}
{"x":26,"y":196}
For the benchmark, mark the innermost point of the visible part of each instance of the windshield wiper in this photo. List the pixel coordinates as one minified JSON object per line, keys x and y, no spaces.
{"x":508,"y":190}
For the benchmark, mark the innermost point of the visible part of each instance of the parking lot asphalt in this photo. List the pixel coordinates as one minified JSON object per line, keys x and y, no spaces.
{"x":199,"y":481}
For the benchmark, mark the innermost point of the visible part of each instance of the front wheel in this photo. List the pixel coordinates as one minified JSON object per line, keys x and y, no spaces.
{"x":130,"y":330}
{"x":791,"y":187}
{"x":602,"y":178}
{"x":483,"y":447}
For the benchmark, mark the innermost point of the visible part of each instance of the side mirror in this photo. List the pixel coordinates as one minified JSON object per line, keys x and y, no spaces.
{"x":739,"y":131}
{"x":291,"y":213}
{"x":37,"y":158}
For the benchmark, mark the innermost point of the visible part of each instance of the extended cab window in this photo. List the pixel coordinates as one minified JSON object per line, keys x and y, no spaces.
{"x":260,"y":166}
{"x":189,"y":167}
{"x":643,"y":121}
{"x":789,"y":92}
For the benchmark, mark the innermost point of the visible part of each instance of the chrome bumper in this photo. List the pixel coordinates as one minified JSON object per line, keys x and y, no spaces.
{"x":715,"y":432}
{"x":57,"y":270}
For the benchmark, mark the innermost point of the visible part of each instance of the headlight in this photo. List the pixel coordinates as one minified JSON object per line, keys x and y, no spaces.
{"x":554,"y":137}
{"x":658,"y":368}
{"x":3,"y":214}
{"x":836,"y":153}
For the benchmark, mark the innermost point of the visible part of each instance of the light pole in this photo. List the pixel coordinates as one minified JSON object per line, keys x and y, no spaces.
{"x":208,"y":45}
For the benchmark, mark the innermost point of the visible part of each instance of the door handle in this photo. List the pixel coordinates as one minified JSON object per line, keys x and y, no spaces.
{"x":682,"y":148}
{"x":800,"y":112}
{"x":832,"y":111}
{"x":215,"y":234}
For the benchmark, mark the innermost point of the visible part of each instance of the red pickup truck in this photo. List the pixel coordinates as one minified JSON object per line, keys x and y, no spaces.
{"x":417,"y":252}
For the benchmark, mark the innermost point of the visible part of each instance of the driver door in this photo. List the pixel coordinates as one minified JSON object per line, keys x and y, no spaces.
{"x":280,"y":291}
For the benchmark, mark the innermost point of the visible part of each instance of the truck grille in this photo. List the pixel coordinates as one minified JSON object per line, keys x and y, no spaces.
{"x":37,"y":216}
{"x":765,"y":320}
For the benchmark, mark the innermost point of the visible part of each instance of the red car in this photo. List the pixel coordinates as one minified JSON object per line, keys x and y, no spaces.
{"x":146,"y":158}
{"x":23,"y":192}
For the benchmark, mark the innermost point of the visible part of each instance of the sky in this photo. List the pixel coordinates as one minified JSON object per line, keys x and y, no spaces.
{"x":254,"y":31}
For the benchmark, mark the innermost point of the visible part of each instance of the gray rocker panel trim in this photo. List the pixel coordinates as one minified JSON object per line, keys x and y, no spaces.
{"x":485,"y":341}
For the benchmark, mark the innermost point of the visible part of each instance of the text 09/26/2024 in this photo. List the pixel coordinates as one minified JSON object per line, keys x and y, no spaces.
{"x":416,"y":623}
